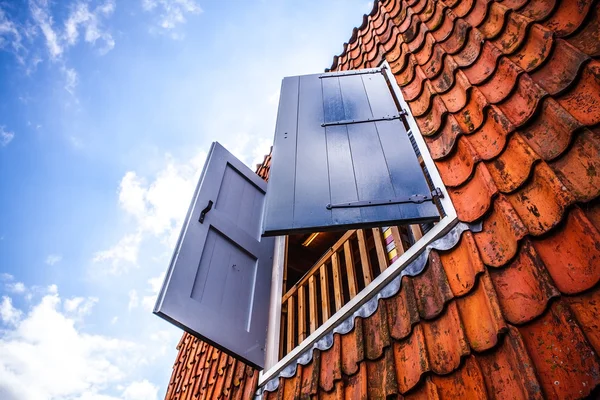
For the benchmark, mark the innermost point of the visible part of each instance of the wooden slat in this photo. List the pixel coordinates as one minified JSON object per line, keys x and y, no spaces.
{"x":291,"y":323}
{"x":380,"y":249}
{"x":312,"y":304}
{"x":324,"y":276}
{"x":350,"y":272}
{"x":324,"y":258}
{"x":338,"y":293}
{"x":301,"y":314}
{"x":417,"y":232}
{"x":365,"y":263}
{"x":397,"y":240}
{"x":282,"y":337}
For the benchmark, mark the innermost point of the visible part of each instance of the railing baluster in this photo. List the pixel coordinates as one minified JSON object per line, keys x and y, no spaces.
{"x":364,"y":257}
{"x":397,"y":240}
{"x":282,"y":337}
{"x":380,"y":249}
{"x":291,"y":323}
{"x":417,"y":232}
{"x":350,"y":272}
{"x":337,"y":282}
{"x":312,"y":304}
{"x":301,"y":314}
{"x":324,"y":276}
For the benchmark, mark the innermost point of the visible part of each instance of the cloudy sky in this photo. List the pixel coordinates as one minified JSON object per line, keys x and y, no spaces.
{"x":107,"y":110}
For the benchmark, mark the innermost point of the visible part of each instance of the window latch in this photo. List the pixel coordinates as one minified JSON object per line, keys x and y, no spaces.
{"x":415,"y":199}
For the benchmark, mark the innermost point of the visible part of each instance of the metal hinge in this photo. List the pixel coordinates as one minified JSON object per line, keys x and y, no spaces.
{"x":353,"y":72}
{"x":415,"y":198}
{"x":358,"y":121}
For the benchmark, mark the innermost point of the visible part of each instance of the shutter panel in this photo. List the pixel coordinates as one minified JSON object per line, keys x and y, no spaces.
{"x":340,"y":149}
{"x":217,"y":287}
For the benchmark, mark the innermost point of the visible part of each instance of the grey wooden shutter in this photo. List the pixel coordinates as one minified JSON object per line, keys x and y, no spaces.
{"x":218,"y":283}
{"x":342,"y":157}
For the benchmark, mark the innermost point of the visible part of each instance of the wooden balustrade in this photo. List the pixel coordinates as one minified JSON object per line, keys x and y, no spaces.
{"x":357,"y":258}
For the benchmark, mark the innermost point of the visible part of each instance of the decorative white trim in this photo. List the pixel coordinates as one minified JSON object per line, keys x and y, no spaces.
{"x":439,"y":230}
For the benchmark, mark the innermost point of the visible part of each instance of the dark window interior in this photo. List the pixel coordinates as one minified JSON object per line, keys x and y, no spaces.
{"x":304,"y":250}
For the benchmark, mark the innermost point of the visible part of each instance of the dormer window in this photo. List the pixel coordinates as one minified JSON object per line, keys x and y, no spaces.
{"x":352,"y":198}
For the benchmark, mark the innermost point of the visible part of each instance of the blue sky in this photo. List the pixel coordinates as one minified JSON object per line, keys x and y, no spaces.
{"x":107,"y":110}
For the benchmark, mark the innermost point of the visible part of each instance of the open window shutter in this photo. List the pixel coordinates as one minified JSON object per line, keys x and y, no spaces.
{"x":342,"y":157}
{"x":218,"y":283}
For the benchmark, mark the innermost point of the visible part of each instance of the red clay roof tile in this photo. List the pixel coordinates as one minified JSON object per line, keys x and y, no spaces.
{"x":402,"y":311}
{"x":411,"y":360}
{"x":538,"y":10}
{"x":490,"y":139}
{"x":509,"y":372}
{"x":568,"y":16}
{"x":535,"y":50}
{"x":550,"y":133}
{"x":471,"y":50}
{"x":485,"y":64}
{"x":455,"y":170}
{"x":524,"y":287}
{"x":511,"y":168}
{"x":586,"y":308}
{"x":561,"y":69}
{"x":432,"y":290}
{"x":443,"y":142}
{"x":462,"y":265}
{"x":473,"y":199}
{"x":583,"y":101}
{"x":542,"y":202}
{"x":382,"y":377}
{"x":466,"y":383}
{"x":446,"y":341}
{"x":579,"y":169}
{"x":513,"y":33}
{"x":566,"y":365}
{"x":588,"y":38}
{"x":481,"y":316}
{"x":572,"y":254}
{"x":376,"y":334}
{"x":502,"y":230}
{"x":494,"y":22}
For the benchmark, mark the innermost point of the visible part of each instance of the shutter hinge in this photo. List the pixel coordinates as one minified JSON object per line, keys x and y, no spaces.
{"x":358,"y":121}
{"x":415,"y":198}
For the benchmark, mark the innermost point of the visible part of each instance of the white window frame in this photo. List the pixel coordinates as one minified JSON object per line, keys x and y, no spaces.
{"x":272,"y":365}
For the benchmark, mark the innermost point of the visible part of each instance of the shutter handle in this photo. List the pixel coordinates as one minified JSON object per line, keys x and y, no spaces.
{"x":206,"y":210}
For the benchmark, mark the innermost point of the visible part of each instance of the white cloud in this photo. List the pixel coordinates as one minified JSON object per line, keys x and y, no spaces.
{"x":71,"y":80}
{"x":53,"y":259}
{"x":40,"y":12}
{"x":5,"y":136}
{"x":157,"y":208}
{"x":140,"y":390}
{"x":122,"y":256}
{"x":79,"y":306}
{"x":114,"y":320}
{"x":10,"y":37}
{"x":134,"y":300}
{"x":90,"y":23}
{"x":16,"y":287}
{"x":171,"y":13}
{"x":46,"y":356}
{"x":8,"y":314}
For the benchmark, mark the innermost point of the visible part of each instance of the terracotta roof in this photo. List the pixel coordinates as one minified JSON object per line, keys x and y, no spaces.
{"x":203,"y":372}
{"x":507,"y":95}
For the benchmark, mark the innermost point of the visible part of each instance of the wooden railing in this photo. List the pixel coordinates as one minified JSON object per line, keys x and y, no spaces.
{"x":344,"y":270}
